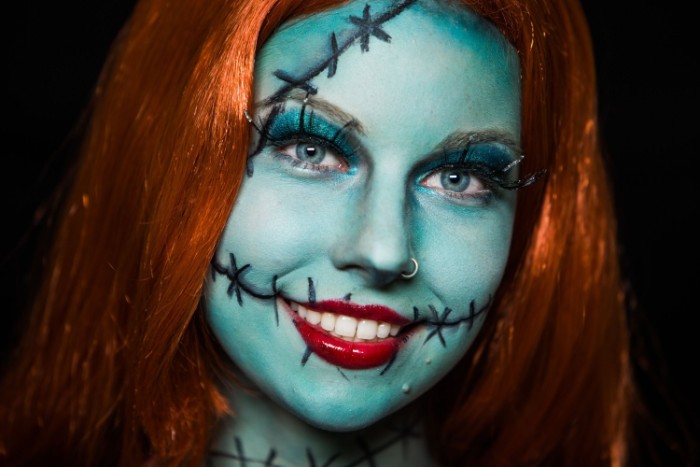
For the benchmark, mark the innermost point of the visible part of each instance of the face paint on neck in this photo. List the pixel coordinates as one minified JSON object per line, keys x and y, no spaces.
{"x":399,"y":144}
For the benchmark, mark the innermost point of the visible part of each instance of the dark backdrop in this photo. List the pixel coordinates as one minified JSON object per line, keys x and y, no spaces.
{"x":54,"y":51}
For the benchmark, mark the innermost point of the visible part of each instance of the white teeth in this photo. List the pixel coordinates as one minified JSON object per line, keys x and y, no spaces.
{"x":328,"y":321}
{"x":367,"y":329}
{"x":313,"y":317}
{"x":383,"y":330}
{"x":347,"y":327}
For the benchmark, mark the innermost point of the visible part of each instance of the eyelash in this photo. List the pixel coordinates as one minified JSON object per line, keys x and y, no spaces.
{"x":483,"y":174}
{"x":290,"y":130}
{"x":307,"y":138}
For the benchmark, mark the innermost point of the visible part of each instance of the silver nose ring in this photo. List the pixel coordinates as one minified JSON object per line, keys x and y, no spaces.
{"x":408,"y":275}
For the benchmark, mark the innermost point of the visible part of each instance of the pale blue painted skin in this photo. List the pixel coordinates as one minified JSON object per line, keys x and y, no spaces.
{"x":354,"y":231}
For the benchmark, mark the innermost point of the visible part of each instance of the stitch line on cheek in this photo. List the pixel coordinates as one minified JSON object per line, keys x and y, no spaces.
{"x":312,"y":291}
{"x":237,"y":283}
{"x":438,"y":323}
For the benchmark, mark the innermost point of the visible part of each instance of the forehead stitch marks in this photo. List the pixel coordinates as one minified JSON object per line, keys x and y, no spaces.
{"x":364,"y":27}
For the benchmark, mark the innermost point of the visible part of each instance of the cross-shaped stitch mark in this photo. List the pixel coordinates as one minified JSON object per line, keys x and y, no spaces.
{"x":369,"y":27}
{"x":363,"y":28}
{"x":439,"y":322}
{"x":235,"y":275}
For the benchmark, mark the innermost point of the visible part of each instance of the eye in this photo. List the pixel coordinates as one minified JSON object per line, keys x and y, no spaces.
{"x":315,"y":156}
{"x":457,"y":182}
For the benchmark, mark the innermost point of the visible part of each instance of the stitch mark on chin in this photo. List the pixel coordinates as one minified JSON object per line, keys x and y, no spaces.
{"x":438,"y":323}
{"x":363,"y":28}
{"x":305,"y":357}
{"x":235,"y":275}
{"x":388,"y":365}
{"x":342,"y":374}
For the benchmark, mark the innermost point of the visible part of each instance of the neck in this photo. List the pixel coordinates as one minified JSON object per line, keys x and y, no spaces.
{"x":263,"y":433}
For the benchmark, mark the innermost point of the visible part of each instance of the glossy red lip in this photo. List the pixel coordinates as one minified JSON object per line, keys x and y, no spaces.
{"x":352,"y":355}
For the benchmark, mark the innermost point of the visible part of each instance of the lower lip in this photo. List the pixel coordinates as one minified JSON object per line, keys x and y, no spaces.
{"x":342,"y":353}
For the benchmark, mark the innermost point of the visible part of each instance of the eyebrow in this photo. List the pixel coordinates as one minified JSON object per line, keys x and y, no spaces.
{"x":320,"y":104}
{"x":463,"y":139}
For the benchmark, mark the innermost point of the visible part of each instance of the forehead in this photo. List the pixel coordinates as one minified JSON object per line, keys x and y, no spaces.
{"x":433,"y":65}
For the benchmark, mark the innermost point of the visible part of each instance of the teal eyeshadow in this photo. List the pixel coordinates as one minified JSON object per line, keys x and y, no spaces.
{"x":287,"y":127}
{"x":485,"y":154}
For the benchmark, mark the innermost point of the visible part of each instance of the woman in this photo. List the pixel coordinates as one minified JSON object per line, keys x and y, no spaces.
{"x":278,"y":273}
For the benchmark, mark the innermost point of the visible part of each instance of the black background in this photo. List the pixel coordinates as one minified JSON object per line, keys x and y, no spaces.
{"x":648,"y":108}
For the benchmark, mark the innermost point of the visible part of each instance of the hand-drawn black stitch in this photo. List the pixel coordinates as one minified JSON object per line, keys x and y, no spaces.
{"x":367,"y":457}
{"x":403,"y":432}
{"x":364,"y":27}
{"x":439,"y":323}
{"x":333,"y":65}
{"x":305,"y":357}
{"x":347,"y":297}
{"x":264,"y":132}
{"x":312,"y":291}
{"x":388,"y":365}
{"x":274,"y":292}
{"x":268,"y":462}
{"x":342,"y":374}
{"x":303,"y":83}
{"x":369,"y":28}
{"x":235,"y":274}
{"x":367,"y":452}
{"x":239,"y":451}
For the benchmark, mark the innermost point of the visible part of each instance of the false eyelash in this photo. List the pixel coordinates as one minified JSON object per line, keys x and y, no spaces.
{"x":495,"y":177}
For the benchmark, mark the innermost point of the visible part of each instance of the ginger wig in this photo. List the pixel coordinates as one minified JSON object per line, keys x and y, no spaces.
{"x":116,"y":366}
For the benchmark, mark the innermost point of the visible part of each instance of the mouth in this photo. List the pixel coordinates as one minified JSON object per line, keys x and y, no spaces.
{"x":346,"y":334}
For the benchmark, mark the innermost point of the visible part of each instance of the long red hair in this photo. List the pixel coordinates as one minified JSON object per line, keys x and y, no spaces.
{"x":116,"y":366}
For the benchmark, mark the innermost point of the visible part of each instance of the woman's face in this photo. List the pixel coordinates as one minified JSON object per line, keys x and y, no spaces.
{"x":382,"y":132}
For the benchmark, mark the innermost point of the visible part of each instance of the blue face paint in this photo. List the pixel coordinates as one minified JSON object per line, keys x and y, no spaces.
{"x":396,"y":146}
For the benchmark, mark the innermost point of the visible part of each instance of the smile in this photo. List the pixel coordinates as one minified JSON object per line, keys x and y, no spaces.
{"x":348,"y":335}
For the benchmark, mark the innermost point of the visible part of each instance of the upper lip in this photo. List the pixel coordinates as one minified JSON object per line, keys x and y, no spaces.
{"x":371,"y":312}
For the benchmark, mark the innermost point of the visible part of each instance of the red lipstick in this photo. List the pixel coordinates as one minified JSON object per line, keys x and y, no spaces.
{"x":356,"y":355}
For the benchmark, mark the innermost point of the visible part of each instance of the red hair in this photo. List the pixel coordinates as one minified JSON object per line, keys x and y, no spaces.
{"x":116,"y":365}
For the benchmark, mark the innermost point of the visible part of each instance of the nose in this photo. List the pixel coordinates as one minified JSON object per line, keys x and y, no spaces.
{"x":376,"y":241}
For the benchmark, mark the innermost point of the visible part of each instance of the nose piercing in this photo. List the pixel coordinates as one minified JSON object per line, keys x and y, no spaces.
{"x":412,"y":273}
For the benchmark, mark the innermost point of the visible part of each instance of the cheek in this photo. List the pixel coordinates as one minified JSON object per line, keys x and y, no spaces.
{"x":266,"y":226}
{"x":465,"y":255}
{"x":279,"y":224}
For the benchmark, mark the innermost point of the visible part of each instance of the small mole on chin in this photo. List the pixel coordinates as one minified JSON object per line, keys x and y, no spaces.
{"x":406,"y":388}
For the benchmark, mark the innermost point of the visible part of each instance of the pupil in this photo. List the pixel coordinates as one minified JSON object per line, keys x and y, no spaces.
{"x":454,"y":181}
{"x":309,"y":152}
